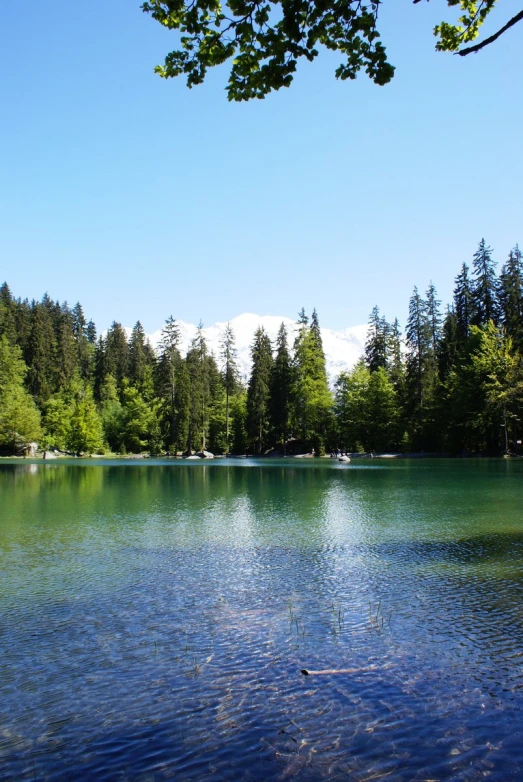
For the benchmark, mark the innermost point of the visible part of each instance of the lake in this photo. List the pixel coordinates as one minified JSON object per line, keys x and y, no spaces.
{"x":156,"y":617}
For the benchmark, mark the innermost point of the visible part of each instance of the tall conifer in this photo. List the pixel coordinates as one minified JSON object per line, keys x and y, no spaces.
{"x":258,"y":391}
{"x":281,"y":390}
{"x":463,"y":304}
{"x":312,"y":400}
{"x":376,"y":345}
{"x":484,"y":290}
{"x":230,"y":373}
{"x":511,"y":296}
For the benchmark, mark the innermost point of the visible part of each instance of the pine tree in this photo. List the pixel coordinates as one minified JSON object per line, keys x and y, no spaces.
{"x":230,"y":373}
{"x":449,"y":345}
{"x":217,"y":408}
{"x":41,"y":354}
{"x":303,"y":318}
{"x":7,"y":314}
{"x":91,"y":333}
{"x":312,"y":400}
{"x":511,"y":296}
{"x":434,"y":317}
{"x":484,"y":290}
{"x":258,"y":391}
{"x":418,"y":340}
{"x":141,"y":358}
{"x":79,"y":322}
{"x":394,"y":357}
{"x":100,"y":369}
{"x":376,"y":345}
{"x":281,"y":390}
{"x":85,"y":342}
{"x":116,"y":353}
{"x":463,"y":304}
{"x":168,"y":372}
{"x":66,"y":347}
{"x":199,"y":399}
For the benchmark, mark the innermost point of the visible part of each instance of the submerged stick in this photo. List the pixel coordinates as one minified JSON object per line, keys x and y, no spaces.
{"x":328,"y":671}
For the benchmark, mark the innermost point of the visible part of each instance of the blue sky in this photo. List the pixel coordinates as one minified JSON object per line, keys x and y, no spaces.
{"x":141,"y":198}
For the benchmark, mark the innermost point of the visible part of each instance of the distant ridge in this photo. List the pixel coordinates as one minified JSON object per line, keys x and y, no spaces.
{"x":342,"y":348}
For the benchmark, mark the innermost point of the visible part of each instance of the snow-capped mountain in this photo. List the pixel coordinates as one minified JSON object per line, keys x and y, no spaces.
{"x":342,"y":348}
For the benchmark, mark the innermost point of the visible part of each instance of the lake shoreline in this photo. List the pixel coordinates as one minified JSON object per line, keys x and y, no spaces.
{"x":265,"y":457}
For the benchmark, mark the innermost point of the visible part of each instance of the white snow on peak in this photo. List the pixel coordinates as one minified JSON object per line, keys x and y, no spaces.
{"x":342,"y":348}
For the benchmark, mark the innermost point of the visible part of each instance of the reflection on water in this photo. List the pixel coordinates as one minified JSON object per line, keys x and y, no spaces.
{"x":156,"y":617}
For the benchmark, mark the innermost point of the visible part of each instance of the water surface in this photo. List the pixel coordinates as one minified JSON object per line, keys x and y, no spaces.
{"x":155,"y":618}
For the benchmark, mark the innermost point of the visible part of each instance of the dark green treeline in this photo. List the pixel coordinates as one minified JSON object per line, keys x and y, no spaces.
{"x":452,"y":382}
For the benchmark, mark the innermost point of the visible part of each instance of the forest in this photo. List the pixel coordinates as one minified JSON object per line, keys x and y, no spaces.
{"x":451,"y":383}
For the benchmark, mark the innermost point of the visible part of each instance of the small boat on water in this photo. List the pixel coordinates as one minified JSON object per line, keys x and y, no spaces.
{"x":343,"y":458}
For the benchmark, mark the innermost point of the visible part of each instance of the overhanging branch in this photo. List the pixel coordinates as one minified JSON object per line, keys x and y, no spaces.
{"x":487,"y":41}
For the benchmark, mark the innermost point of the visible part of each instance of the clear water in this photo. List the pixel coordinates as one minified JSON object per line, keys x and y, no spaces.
{"x":155,"y":618}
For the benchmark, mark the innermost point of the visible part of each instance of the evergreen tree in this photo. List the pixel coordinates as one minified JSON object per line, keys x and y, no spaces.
{"x":316,"y":332}
{"x":91,"y":333}
{"x":376,"y":345}
{"x":41,"y":354}
{"x":100,"y":370}
{"x":66,"y":347}
{"x":79,"y":322}
{"x":511,"y":296}
{"x":434,"y":317}
{"x":303,"y":318}
{"x":394,"y":357}
{"x":217,"y":442}
{"x":22,"y":319}
{"x":418,"y":341}
{"x":463,"y":304}
{"x":169,"y":370}
{"x":484,"y":290}
{"x":281,"y":390}
{"x":230,"y":373}
{"x":449,"y":345}
{"x":116,"y":353}
{"x":258,"y":391}
{"x":141,"y":361}
{"x":85,"y":340}
{"x":200,"y":392}
{"x":7,"y":314}
{"x":312,"y":400}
